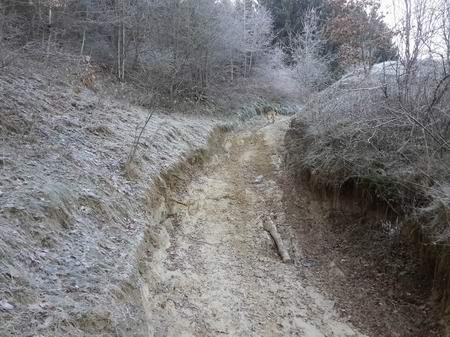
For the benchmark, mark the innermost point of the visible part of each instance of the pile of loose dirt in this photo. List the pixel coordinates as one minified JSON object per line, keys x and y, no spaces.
{"x":72,"y":213}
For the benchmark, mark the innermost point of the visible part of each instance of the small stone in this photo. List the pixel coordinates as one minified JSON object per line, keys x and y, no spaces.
{"x":5,"y":305}
{"x":259,"y":179}
{"x":309,"y":263}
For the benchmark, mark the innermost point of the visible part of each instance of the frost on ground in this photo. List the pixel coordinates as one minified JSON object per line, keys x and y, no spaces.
{"x":217,"y":272}
{"x":72,"y":215}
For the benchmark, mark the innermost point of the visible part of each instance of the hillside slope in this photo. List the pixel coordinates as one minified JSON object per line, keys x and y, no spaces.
{"x":73,"y":215}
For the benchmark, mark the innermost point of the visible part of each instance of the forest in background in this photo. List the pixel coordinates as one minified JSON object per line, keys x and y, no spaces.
{"x":193,"y":48}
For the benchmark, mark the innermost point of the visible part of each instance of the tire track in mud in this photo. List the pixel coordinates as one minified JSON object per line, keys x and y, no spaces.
{"x":217,"y":272}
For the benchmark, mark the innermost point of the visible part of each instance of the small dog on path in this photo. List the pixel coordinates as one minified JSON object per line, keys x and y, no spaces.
{"x":269,"y":112}
{"x":270,"y":115}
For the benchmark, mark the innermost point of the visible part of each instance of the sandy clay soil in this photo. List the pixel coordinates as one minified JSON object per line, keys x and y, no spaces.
{"x":218,"y":271}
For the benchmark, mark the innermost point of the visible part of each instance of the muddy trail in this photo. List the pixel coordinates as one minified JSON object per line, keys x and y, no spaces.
{"x":218,"y":271}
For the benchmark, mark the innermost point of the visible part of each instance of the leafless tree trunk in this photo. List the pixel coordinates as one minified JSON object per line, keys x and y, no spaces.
{"x":49,"y":31}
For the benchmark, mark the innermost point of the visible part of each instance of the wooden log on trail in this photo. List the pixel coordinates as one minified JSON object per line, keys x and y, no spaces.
{"x":269,"y":226}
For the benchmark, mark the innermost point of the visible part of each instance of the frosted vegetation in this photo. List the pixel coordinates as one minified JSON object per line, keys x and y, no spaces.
{"x":190,"y":51}
{"x":99,"y":98}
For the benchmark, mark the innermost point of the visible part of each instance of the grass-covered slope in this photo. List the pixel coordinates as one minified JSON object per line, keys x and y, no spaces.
{"x":73,"y":214}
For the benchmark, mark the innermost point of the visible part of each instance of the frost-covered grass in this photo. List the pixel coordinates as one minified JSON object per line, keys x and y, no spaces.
{"x":73,"y":214}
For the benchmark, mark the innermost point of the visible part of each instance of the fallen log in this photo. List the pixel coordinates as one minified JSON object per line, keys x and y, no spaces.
{"x":269,"y":226}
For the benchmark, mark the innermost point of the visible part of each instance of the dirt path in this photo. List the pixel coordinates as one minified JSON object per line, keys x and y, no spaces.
{"x":218,"y":272}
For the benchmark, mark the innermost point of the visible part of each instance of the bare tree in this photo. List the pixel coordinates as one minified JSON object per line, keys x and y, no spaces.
{"x":307,"y":50}
{"x":175,"y":47}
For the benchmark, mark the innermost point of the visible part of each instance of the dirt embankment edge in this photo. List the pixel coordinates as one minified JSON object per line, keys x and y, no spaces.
{"x":372,"y":260}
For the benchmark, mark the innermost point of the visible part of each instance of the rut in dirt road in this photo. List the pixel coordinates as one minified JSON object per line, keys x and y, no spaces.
{"x":218,"y":272}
